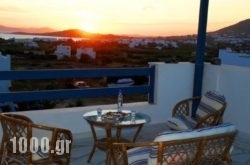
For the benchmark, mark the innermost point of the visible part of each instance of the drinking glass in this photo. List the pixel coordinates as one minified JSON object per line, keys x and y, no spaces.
{"x":133,"y":115}
{"x":99,"y":112}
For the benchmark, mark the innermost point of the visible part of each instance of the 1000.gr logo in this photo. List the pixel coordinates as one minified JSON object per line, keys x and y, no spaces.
{"x":62,"y":146}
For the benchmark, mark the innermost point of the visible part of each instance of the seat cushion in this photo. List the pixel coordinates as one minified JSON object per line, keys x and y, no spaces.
{"x":43,"y":142}
{"x":201,"y":132}
{"x":148,"y":155}
{"x":170,"y":154}
{"x":211,"y":101}
{"x":138,"y":155}
{"x":185,"y":151}
{"x":181,"y":122}
{"x":218,"y":129}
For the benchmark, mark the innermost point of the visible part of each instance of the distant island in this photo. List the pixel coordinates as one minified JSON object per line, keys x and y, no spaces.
{"x":240,"y":28}
{"x":75,"y":33}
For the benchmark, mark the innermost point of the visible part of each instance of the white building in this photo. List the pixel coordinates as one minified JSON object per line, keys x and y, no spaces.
{"x":62,"y":51}
{"x":229,"y":57}
{"x":28,"y":42}
{"x":31,"y":44}
{"x":85,"y":51}
{"x":5,"y":65}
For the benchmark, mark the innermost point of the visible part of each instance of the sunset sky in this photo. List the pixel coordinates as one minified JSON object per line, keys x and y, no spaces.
{"x":141,"y":17}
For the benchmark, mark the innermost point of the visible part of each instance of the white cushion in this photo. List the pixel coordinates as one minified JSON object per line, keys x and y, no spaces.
{"x":169,"y":136}
{"x":138,"y":155}
{"x":187,"y":134}
{"x":176,"y":124}
{"x":210,"y":101}
{"x":39,"y":134}
{"x":175,"y":135}
{"x":218,"y":129}
{"x":181,"y":122}
{"x":211,"y":130}
{"x":147,"y":155}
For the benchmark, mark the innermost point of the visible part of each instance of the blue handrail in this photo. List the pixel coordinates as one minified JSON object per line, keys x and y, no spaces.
{"x":77,"y":93}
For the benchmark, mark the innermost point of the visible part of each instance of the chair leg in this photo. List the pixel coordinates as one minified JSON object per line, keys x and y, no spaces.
{"x":108,"y":158}
{"x":92,"y":153}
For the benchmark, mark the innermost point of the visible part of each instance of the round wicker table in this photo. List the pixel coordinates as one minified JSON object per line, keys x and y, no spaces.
{"x":116,"y":125}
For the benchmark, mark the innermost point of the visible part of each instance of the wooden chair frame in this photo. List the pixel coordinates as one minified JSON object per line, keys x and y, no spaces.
{"x":19,"y":126}
{"x":184,"y":107}
{"x":213,"y":149}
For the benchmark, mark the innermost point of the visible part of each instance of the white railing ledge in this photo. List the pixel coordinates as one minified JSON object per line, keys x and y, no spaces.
{"x":71,"y":118}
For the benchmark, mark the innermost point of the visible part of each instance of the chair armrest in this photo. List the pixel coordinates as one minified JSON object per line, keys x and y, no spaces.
{"x":18,"y":116}
{"x":183,"y":107}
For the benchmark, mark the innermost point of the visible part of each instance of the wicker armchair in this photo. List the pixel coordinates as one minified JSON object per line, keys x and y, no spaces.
{"x":211,"y":107}
{"x":198,"y":147}
{"x":24,"y":142}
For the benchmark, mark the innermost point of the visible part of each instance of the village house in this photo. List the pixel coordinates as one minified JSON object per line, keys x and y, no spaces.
{"x":85,"y":51}
{"x":62,"y":51}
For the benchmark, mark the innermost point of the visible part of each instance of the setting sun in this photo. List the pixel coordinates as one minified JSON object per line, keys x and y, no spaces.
{"x":150,"y":18}
{"x":88,"y":27}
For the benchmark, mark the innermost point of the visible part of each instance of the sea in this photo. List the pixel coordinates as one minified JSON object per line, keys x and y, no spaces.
{"x":7,"y":36}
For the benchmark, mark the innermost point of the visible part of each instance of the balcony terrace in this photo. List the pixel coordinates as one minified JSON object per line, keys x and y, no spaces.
{"x":172,"y":82}
{"x":168,"y":84}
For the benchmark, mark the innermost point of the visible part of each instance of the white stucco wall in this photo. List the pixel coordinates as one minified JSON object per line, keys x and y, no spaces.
{"x":234,"y":82}
{"x":173,"y":82}
{"x":5,"y":62}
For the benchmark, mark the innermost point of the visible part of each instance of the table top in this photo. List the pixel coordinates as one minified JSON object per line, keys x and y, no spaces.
{"x":140,"y":118}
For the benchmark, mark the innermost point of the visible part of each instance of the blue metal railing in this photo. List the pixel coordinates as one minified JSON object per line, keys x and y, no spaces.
{"x":77,"y":93}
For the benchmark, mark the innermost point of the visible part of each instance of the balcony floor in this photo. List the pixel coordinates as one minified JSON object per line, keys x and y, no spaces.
{"x":81,"y":148}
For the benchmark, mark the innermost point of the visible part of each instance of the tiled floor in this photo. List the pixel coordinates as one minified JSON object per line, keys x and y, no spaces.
{"x":81,"y":148}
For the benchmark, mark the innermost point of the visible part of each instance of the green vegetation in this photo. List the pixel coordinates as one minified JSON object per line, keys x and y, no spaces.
{"x":108,"y":55}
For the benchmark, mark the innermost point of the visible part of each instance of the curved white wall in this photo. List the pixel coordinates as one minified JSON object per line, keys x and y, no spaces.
{"x":234,"y":83}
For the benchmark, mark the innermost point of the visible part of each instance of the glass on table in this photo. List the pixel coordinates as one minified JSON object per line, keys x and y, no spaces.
{"x":133,"y":115}
{"x":99,"y":113}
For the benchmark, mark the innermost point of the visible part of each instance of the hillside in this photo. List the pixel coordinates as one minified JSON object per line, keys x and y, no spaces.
{"x":78,"y":33}
{"x":74,"y":33}
{"x":240,"y":28}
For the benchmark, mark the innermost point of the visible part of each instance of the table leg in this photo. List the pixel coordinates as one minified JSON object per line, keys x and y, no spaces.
{"x":109,"y":153}
{"x":95,"y":143}
{"x":137,"y":132}
{"x":118,"y":133}
{"x":92,"y":152}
